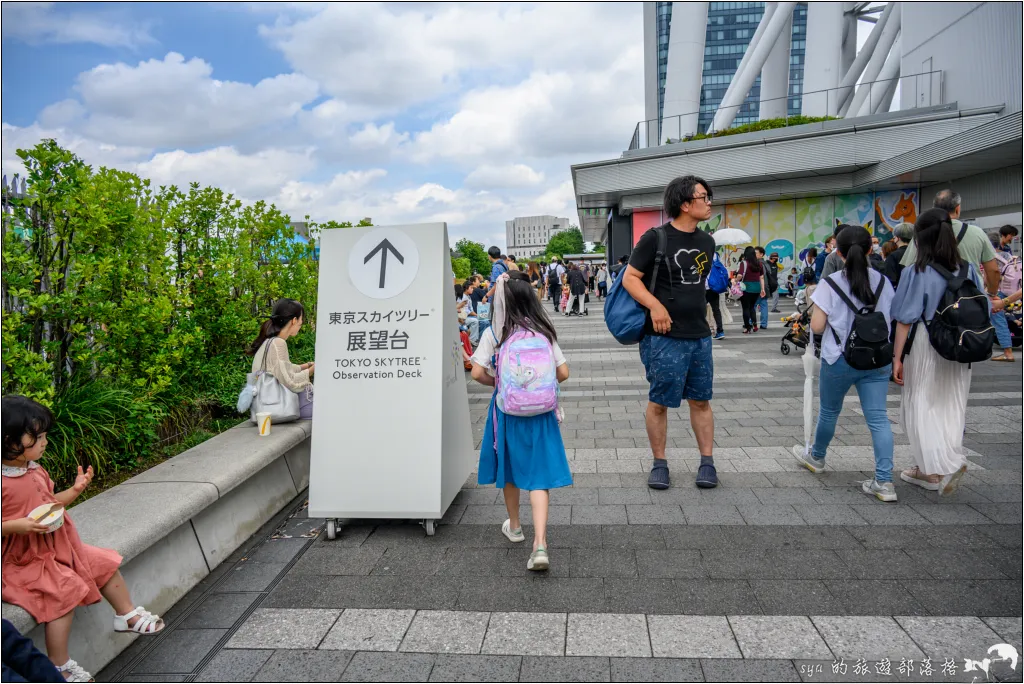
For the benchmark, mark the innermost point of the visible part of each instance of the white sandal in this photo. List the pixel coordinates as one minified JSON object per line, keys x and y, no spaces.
{"x":147,"y":624}
{"x":77,"y":672}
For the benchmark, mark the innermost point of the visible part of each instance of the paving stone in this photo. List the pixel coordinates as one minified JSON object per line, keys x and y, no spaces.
{"x":475,"y":668}
{"x":671,"y":564}
{"x":484,"y":515}
{"x":234,"y":665}
{"x":534,"y":594}
{"x":250,"y":576}
{"x":742,"y":670}
{"x":938,"y":637}
{"x":565,"y":669}
{"x":284,"y":628}
{"x":608,"y":634}
{"x":599,"y":515}
{"x":623,"y":495}
{"x":954,"y":564}
{"x":409,"y":561}
{"x":388,"y":592}
{"x":567,"y":496}
{"x":478,"y":497}
{"x":712,"y":515}
{"x":278,"y":550}
{"x":778,"y":636}
{"x":876,"y":564}
{"x":786,"y":597}
{"x":219,"y":611}
{"x":869,"y":597}
{"x":691,"y":636}
{"x":180,"y":651}
{"x":603,"y":563}
{"x":887,"y":514}
{"x":657,"y":514}
{"x":339,"y":560}
{"x":389,"y":667}
{"x":470,"y":562}
{"x":1002,"y":513}
{"x":444,"y":631}
{"x":632,"y":537}
{"x":713,"y":597}
{"x":368,"y":630}
{"x":694,"y":537}
{"x":1008,"y":628}
{"x":770,"y":515}
{"x":951,"y":514}
{"x":304,"y":666}
{"x":829,"y":514}
{"x":596,"y":480}
{"x":534,"y":634}
{"x":869,"y":637}
{"x":997,"y":598}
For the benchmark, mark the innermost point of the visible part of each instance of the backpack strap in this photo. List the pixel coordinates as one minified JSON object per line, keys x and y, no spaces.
{"x":659,"y":256}
{"x":963,"y":232}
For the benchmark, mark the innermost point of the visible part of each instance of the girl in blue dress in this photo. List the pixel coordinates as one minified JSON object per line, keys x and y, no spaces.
{"x":528,"y":452}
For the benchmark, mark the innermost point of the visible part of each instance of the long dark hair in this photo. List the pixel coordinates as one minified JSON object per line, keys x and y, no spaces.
{"x":285,"y":310}
{"x":523,"y":309}
{"x":854,"y":243}
{"x":936,"y":243}
{"x":22,"y":416}
{"x":753,"y":263}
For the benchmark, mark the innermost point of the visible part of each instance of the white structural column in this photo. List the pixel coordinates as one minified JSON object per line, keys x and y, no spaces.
{"x":884,"y":87}
{"x":758,"y":56}
{"x":775,"y":76}
{"x":848,"y":53}
{"x":685,"y":67}
{"x":769,"y":12}
{"x":890,"y":32}
{"x":849,"y":81}
{"x":822,"y":60}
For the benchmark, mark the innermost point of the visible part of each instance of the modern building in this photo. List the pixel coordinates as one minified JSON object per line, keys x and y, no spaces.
{"x":730,"y":28}
{"x":910,"y":115}
{"x":527,"y":236}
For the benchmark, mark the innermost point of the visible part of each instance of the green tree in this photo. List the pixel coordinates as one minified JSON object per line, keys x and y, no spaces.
{"x":477,"y":255}
{"x":568,"y":241}
{"x":462,"y":268}
{"x":598,"y":248}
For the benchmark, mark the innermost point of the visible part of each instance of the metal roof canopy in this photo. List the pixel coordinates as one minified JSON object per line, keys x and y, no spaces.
{"x":833,"y":157}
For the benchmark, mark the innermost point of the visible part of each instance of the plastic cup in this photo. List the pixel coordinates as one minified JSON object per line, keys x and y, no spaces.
{"x":263,"y":423}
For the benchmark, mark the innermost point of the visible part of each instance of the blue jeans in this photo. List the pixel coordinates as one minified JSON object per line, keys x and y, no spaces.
{"x":872,"y":385}
{"x":762,"y":306}
{"x":1002,"y":329}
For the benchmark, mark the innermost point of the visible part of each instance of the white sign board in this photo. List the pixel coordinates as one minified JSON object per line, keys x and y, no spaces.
{"x":391,"y":430}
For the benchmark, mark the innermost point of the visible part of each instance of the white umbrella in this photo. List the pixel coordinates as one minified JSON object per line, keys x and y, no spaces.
{"x":810,"y":361}
{"x":731,"y":236}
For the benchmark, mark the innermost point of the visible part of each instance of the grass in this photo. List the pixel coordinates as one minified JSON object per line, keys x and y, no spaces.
{"x":112,"y":478}
{"x":765,"y":125}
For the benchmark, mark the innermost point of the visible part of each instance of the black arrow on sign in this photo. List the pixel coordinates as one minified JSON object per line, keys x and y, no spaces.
{"x":384,"y":247}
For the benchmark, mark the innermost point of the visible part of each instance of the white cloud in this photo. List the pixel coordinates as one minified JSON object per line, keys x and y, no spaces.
{"x":92,"y":152}
{"x":252,"y":176}
{"x":37,"y":23}
{"x":372,"y":136}
{"x":509,"y":176}
{"x":176,"y":103}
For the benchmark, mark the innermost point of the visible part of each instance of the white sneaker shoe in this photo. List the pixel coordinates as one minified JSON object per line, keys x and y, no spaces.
{"x":513,"y":535}
{"x":883,"y":491}
{"x":538,"y":560}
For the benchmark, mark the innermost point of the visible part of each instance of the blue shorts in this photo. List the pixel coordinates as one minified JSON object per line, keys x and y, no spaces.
{"x":678,"y":369}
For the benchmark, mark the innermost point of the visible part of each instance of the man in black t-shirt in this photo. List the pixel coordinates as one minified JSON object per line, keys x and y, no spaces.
{"x":676,"y":347}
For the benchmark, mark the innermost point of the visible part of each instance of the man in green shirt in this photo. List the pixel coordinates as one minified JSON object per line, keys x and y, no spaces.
{"x":975,"y":247}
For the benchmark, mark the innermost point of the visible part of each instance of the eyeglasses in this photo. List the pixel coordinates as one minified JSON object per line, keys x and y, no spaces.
{"x":704,"y":198}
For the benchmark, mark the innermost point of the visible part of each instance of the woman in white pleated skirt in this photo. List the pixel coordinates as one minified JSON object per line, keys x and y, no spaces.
{"x":933,"y":407}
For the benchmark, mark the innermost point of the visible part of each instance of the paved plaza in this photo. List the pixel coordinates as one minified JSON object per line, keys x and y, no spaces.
{"x":776,"y":575}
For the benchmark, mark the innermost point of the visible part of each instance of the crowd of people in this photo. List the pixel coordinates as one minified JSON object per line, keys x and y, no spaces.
{"x":852,"y":289}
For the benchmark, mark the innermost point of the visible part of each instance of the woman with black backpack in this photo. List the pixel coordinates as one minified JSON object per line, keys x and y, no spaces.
{"x":851,"y":312}
{"x":934,"y":403}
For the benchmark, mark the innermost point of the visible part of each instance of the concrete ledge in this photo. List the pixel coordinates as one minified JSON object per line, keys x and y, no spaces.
{"x":176,"y":522}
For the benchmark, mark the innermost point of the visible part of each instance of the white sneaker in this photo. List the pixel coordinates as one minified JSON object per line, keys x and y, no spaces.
{"x":513,"y":535}
{"x":805,"y":458}
{"x":538,"y":560}
{"x":883,"y":491}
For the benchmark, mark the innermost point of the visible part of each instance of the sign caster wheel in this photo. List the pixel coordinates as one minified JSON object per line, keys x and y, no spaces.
{"x":428,"y":526}
{"x":332,"y":529}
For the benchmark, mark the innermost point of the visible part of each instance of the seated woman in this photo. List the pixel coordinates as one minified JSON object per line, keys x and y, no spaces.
{"x":270,"y":353}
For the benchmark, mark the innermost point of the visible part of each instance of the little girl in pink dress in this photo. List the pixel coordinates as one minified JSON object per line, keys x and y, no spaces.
{"x":49,"y":574}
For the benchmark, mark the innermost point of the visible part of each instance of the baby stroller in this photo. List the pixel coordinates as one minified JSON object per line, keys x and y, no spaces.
{"x":798,"y":330}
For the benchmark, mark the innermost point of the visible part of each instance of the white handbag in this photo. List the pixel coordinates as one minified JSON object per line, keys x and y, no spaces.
{"x":270,"y":396}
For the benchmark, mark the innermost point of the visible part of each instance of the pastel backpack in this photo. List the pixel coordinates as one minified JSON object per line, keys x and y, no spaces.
{"x":525,"y":382}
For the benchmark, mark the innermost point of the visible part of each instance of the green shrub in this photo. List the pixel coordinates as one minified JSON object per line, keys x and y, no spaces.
{"x":764,"y":125}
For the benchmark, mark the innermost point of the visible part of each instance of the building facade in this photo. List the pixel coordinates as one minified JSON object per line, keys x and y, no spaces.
{"x":527,"y":236}
{"x":730,"y":28}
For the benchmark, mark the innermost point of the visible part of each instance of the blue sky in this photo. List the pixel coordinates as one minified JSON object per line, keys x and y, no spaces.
{"x":466,"y":113}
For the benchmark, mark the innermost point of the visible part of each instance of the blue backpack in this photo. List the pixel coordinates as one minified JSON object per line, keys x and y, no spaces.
{"x":623,"y":315}
{"x":718,"y":279}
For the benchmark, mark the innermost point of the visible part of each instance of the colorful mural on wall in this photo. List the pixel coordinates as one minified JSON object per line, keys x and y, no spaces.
{"x":894,"y":208}
{"x":789,"y":227}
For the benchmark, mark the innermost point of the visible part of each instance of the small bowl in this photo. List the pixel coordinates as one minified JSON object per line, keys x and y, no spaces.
{"x":53,"y":521}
